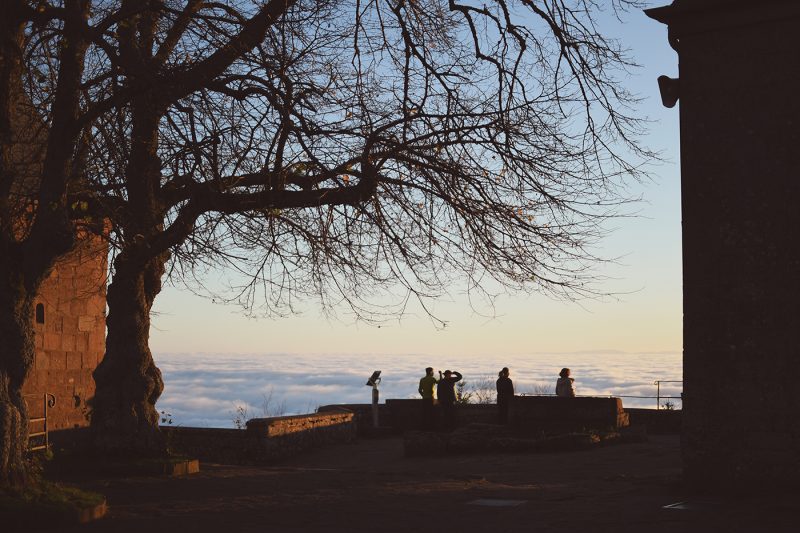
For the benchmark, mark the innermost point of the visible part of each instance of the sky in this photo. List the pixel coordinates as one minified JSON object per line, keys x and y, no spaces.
{"x":644,"y":316}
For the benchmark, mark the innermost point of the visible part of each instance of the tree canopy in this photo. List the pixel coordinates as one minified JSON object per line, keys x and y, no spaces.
{"x":331,"y":148}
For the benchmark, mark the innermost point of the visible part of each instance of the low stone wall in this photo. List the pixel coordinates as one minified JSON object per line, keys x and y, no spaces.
{"x":551,"y":413}
{"x":528,"y":414}
{"x":407,"y":414}
{"x":265,"y":440}
{"x":362,"y":415}
{"x":657,"y":421}
{"x":313,"y":427}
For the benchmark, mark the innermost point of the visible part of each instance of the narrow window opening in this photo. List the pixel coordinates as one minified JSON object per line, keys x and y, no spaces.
{"x":40,"y":313}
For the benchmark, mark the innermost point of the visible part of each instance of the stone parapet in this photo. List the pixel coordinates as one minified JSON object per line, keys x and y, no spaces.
{"x":551,"y":413}
{"x":657,"y":421}
{"x":362,"y":414}
{"x":265,"y":440}
{"x":407,"y":414}
{"x":527,"y":414}
{"x":300,"y":425}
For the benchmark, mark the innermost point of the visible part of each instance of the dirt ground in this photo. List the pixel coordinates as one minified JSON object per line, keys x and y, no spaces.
{"x":370,"y":486}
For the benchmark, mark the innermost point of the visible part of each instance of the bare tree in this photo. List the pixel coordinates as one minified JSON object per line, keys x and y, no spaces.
{"x":37,"y":176}
{"x":495,"y":151}
{"x":335,"y":149}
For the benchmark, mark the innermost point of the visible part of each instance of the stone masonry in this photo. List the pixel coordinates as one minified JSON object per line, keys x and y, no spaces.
{"x":70,"y":328}
{"x":265,"y":440}
{"x":529,"y":414}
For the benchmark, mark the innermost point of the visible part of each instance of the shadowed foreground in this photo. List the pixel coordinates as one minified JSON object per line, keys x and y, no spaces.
{"x":370,"y":486}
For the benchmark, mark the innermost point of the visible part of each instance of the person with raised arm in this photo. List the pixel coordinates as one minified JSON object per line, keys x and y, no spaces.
{"x":447,"y":397}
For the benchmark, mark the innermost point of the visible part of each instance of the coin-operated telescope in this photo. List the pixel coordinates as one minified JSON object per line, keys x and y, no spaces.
{"x":373,"y":382}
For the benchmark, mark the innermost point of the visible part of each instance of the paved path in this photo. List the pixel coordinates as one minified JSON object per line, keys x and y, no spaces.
{"x":370,"y":486}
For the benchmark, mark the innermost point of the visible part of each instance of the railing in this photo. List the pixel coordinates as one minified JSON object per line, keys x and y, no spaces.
{"x":49,"y":401}
{"x":658,"y":397}
{"x":658,"y":383}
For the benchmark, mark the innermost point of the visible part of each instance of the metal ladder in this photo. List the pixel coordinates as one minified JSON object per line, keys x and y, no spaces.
{"x":49,"y":401}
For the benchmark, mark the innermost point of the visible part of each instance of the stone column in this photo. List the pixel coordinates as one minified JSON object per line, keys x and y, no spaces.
{"x":739,"y":91}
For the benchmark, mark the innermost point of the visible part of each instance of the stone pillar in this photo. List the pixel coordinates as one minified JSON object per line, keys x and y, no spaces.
{"x":739,"y":91}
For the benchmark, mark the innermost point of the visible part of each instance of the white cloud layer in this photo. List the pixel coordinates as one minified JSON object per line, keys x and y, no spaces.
{"x":205,"y":390}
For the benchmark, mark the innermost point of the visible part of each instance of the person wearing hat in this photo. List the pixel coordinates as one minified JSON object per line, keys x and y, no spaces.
{"x":446,"y":391}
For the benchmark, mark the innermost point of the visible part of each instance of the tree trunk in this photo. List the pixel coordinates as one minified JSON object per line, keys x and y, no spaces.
{"x":124,"y":418}
{"x":16,"y":359}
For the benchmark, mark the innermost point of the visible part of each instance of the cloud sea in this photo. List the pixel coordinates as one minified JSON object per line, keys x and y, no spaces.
{"x":207,"y":390}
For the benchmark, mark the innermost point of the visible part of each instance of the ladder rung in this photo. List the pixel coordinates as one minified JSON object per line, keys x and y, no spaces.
{"x":38,"y":434}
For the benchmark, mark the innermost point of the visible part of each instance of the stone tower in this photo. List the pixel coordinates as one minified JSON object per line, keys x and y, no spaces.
{"x":739,"y":91}
{"x":70,"y":308}
{"x":70,"y":332}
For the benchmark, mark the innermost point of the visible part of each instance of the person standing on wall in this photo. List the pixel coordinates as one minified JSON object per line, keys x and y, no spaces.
{"x":565,"y":386}
{"x":505,"y":395}
{"x":447,"y":397}
{"x":426,"y":386}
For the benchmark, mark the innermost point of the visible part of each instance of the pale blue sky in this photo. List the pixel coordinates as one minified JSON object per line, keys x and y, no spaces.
{"x":646,"y":315}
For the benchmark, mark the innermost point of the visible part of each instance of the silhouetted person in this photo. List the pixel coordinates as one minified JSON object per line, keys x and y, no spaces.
{"x":505,"y":394}
{"x":565,"y":387}
{"x":426,"y":385}
{"x":447,"y":397}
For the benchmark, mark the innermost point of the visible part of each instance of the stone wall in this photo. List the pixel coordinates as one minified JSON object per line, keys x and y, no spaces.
{"x":362,"y":414}
{"x":527,"y":413}
{"x":551,"y":413}
{"x":69,"y":325}
{"x":657,"y":421}
{"x":265,"y":440}
{"x":406,"y":414}
{"x":739,"y":113}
